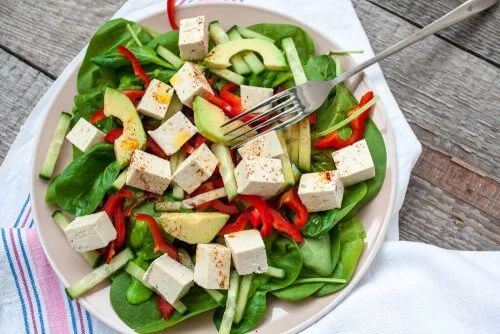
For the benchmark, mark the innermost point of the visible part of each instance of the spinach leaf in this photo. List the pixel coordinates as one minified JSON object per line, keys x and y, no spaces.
{"x":80,"y":188}
{"x":343,"y":102}
{"x":162,"y":74}
{"x":86,"y":105}
{"x":254,"y":312}
{"x":316,"y":255}
{"x":197,"y":301}
{"x":108,"y":37}
{"x":351,"y":239}
{"x":322,"y":160}
{"x":169,"y":40}
{"x":302,"y":40}
{"x":320,"y":68}
{"x":114,"y":59}
{"x":320,"y":223}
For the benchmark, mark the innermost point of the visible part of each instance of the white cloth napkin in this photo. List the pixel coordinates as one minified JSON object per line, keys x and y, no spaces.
{"x":409,"y":288}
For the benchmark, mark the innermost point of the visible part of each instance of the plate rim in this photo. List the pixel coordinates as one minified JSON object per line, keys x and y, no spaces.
{"x":155,"y":9}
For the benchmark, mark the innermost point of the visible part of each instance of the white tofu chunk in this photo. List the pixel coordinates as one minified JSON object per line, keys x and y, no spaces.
{"x":84,"y":135}
{"x":169,"y":278}
{"x":188,"y":82}
{"x":155,"y":101}
{"x":90,"y":232}
{"x":321,"y":191}
{"x":265,"y":146}
{"x":354,"y":163}
{"x":259,"y":176}
{"x":251,"y":96}
{"x":193,"y":38}
{"x":213,"y":264}
{"x":196,"y":169}
{"x":148,"y":172}
{"x":248,"y":251}
{"x":174,"y":133}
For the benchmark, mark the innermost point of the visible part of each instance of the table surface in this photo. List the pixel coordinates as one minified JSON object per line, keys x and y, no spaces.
{"x":448,"y":87}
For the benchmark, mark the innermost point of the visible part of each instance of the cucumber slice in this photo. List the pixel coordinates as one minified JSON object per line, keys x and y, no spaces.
{"x":99,"y":274}
{"x":205,"y":197}
{"x":226,"y":169}
{"x":138,"y":273}
{"x":50,"y":160}
{"x":241,"y":302}
{"x":219,"y":36}
{"x":92,"y":256}
{"x":275,"y":272}
{"x":293,"y":144}
{"x":120,"y":180}
{"x":299,"y":76}
{"x":305,"y":145}
{"x":286,"y":165}
{"x":247,"y":33}
{"x":228,"y":316}
{"x":250,"y":58}
{"x":169,"y":56}
{"x":216,"y":295}
{"x":229,"y":75}
{"x":175,"y":161}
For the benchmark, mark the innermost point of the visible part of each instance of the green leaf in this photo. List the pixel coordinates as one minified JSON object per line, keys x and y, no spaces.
{"x":316,"y":255}
{"x":137,"y":293}
{"x":320,"y":223}
{"x":301,"y":39}
{"x":343,"y":102}
{"x":351,"y":239}
{"x":320,"y":68}
{"x":145,"y":55}
{"x":169,"y":40}
{"x":81,"y":187}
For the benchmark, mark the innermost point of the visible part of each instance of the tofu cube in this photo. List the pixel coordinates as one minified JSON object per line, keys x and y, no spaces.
{"x":251,"y":96}
{"x":84,"y":135}
{"x":188,"y":82}
{"x":193,"y":38}
{"x":248,"y":251}
{"x":156,"y":100}
{"x":321,"y":191}
{"x":148,"y":172}
{"x":213,"y":264}
{"x":265,"y":146}
{"x":259,"y":176}
{"x":354,"y":163}
{"x":172,"y":134}
{"x":90,"y":232}
{"x":196,"y":169}
{"x":169,"y":278}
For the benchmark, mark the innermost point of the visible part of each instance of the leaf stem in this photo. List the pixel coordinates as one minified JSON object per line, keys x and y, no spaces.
{"x":319,"y":280}
{"x":134,"y":35}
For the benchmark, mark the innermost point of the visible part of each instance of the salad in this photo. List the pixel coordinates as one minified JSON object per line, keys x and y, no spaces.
{"x":156,"y":200}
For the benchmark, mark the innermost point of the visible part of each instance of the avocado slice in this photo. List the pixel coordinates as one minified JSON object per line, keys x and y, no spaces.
{"x":193,"y":227}
{"x":118,"y":105}
{"x":208,"y":119}
{"x":271,"y":55}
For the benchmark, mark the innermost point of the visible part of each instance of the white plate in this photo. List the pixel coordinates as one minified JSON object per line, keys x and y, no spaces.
{"x":281,"y":316}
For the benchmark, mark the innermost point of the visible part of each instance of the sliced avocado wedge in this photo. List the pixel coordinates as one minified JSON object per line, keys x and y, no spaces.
{"x":271,"y":55}
{"x":193,"y":227}
{"x":118,"y":105}
{"x":208,"y":119}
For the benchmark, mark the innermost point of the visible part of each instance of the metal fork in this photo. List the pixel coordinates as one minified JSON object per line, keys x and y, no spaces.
{"x":294,"y":104}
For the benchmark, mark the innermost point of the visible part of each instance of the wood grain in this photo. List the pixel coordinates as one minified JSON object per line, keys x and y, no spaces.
{"x":21,"y":87}
{"x":471,"y":35}
{"x":449,"y":96}
{"x":433,"y":216}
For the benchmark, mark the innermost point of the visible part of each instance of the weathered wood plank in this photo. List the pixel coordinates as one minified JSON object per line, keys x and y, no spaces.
{"x":50,"y":33}
{"x":433,"y":216}
{"x":20,"y":89}
{"x":478,"y":191}
{"x":478,"y":34}
{"x":449,"y":96}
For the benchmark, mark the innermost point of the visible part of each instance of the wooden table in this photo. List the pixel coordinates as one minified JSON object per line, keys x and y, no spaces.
{"x":447,"y":86}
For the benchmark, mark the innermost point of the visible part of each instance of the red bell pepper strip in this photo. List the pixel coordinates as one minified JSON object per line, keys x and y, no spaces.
{"x":284,"y":226}
{"x":313,"y":118}
{"x":199,"y":140}
{"x":220,"y":206}
{"x":97,"y":116}
{"x":134,"y":95}
{"x":264,"y":212}
{"x":154,"y":148}
{"x":160,"y":244}
{"x":171,"y":14}
{"x":113,"y":135}
{"x":255,"y":218}
{"x":226,"y":93}
{"x":333,"y":140}
{"x":214,"y":99}
{"x":187,"y":148}
{"x":165,"y":308}
{"x":138,"y":70}
{"x":109,"y":252}
{"x":238,"y":225}
{"x":140,"y":200}
{"x":292,"y":200}
{"x":119,"y":223}
{"x":114,"y":200}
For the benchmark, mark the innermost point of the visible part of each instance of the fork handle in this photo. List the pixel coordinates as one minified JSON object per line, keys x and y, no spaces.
{"x":463,"y":11}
